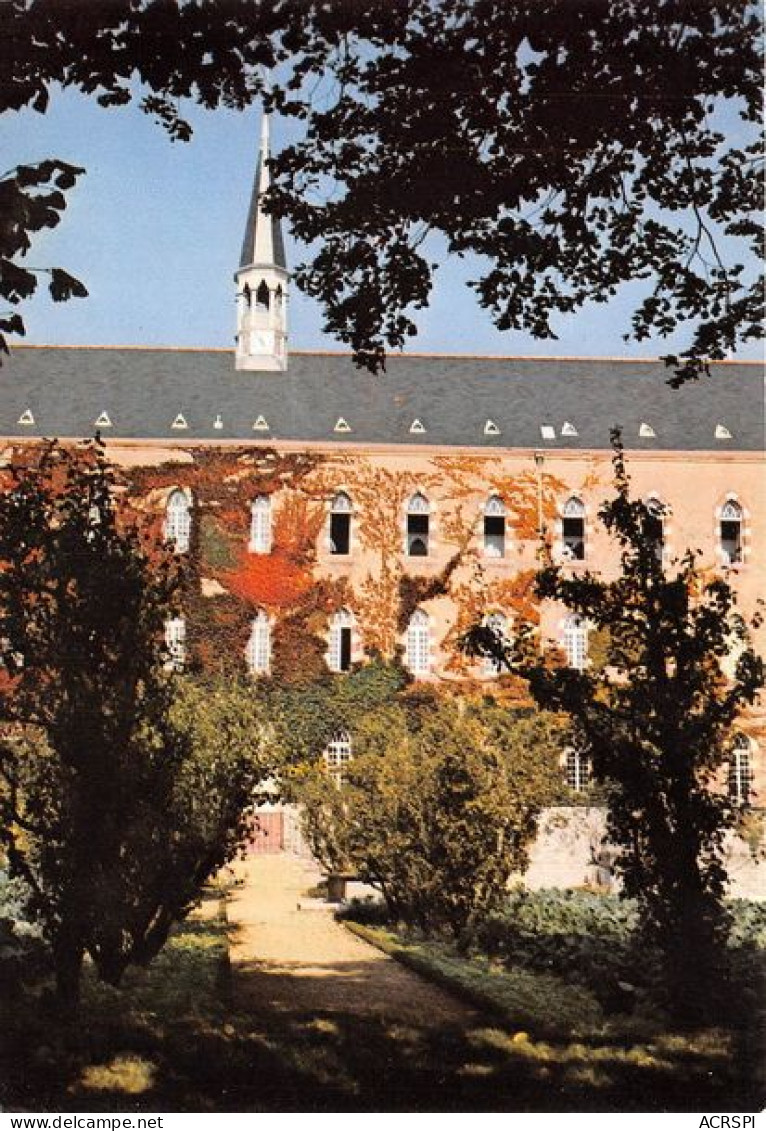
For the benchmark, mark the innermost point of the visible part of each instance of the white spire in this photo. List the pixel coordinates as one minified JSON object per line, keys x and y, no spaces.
{"x":263,"y":243}
{"x":262,"y":278}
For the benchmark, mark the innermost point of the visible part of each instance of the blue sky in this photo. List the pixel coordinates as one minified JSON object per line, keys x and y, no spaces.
{"x":154,"y":230}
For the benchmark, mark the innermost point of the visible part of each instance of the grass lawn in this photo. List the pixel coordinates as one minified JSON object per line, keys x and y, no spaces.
{"x":171,"y":1039}
{"x":550,"y":1031}
{"x":129,"y":1047}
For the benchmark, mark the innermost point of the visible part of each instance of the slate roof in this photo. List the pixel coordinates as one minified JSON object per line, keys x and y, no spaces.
{"x":143,"y":390}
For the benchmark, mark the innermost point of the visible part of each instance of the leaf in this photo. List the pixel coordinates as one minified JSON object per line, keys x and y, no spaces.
{"x":40,"y":101}
{"x":68,"y":175}
{"x":13,"y":324}
{"x":114,"y":98}
{"x":16,"y":283}
{"x":64,"y":286}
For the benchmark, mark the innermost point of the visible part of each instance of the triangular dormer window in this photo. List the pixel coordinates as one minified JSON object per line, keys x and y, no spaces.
{"x":417,"y":427}
{"x":491,"y":429}
{"x":568,"y":429}
{"x":260,"y":424}
{"x":180,"y":421}
{"x":341,"y":425}
{"x":26,"y":417}
{"x":103,"y":421}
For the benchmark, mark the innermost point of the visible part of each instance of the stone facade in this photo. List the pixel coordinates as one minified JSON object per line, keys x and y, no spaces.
{"x":460,"y":572}
{"x":410,"y":503}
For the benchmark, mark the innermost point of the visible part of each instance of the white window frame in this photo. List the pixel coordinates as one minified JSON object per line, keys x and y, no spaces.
{"x":337,"y":755}
{"x":577,"y":770}
{"x":661,"y":511}
{"x":258,"y":647}
{"x":343,"y":618}
{"x":178,"y":520}
{"x":499,"y":624}
{"x":341,"y":504}
{"x":732,"y":511}
{"x":575,"y":639}
{"x":494,"y":508}
{"x":740,"y":779}
{"x":175,"y":643}
{"x":573,"y":508}
{"x":418,"y":649}
{"x":260,"y":525}
{"x":418,"y":505}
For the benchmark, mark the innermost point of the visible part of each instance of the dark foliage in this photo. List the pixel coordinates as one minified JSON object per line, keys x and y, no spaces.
{"x":597,"y":941}
{"x":657,"y":721}
{"x":104,"y":754}
{"x":575,"y":146}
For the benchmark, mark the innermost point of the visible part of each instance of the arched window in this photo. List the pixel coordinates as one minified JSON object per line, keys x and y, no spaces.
{"x":498,"y":622}
{"x":418,"y":643}
{"x":262,"y":295}
{"x":740,"y":771}
{"x":576,"y":642}
{"x":339,"y":651}
{"x":494,"y":527}
{"x":577,"y":770}
{"x":175,"y":642}
{"x":260,"y":525}
{"x":337,"y":755}
{"x":258,"y":650}
{"x":573,"y":529}
{"x":178,"y":521}
{"x":731,"y":532}
{"x":418,"y":526}
{"x":95,"y":520}
{"x":341,"y":509}
{"x":654,"y":526}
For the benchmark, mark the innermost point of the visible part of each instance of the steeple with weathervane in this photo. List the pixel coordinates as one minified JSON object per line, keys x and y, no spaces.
{"x":262,"y":280}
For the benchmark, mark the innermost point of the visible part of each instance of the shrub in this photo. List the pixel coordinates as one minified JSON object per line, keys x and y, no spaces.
{"x":369,"y":912}
{"x":437,"y":809}
{"x":596,"y":941}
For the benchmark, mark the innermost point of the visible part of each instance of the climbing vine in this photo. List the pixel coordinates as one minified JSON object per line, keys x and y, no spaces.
{"x":294,"y":583}
{"x":228,"y":583}
{"x":299,"y":586}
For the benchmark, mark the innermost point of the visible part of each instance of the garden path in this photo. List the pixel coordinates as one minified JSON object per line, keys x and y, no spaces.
{"x":293,"y":958}
{"x":318,"y":1020}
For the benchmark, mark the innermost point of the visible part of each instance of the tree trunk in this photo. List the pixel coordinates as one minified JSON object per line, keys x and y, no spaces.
{"x":695,"y":961}
{"x":68,"y":954}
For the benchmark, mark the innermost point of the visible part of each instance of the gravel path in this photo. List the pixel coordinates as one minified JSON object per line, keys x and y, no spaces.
{"x":294,"y":961}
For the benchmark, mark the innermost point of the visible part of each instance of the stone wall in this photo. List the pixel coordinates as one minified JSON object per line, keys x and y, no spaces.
{"x":570,"y":852}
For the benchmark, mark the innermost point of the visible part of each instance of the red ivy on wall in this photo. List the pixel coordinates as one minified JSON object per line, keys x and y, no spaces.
{"x":270,"y":581}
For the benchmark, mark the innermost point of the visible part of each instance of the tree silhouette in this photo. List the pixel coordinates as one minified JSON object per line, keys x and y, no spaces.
{"x":122,"y":786}
{"x":657,"y":721}
{"x":573,"y":146}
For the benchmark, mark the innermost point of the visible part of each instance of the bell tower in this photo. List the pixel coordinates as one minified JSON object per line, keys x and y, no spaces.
{"x":262,"y":280}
